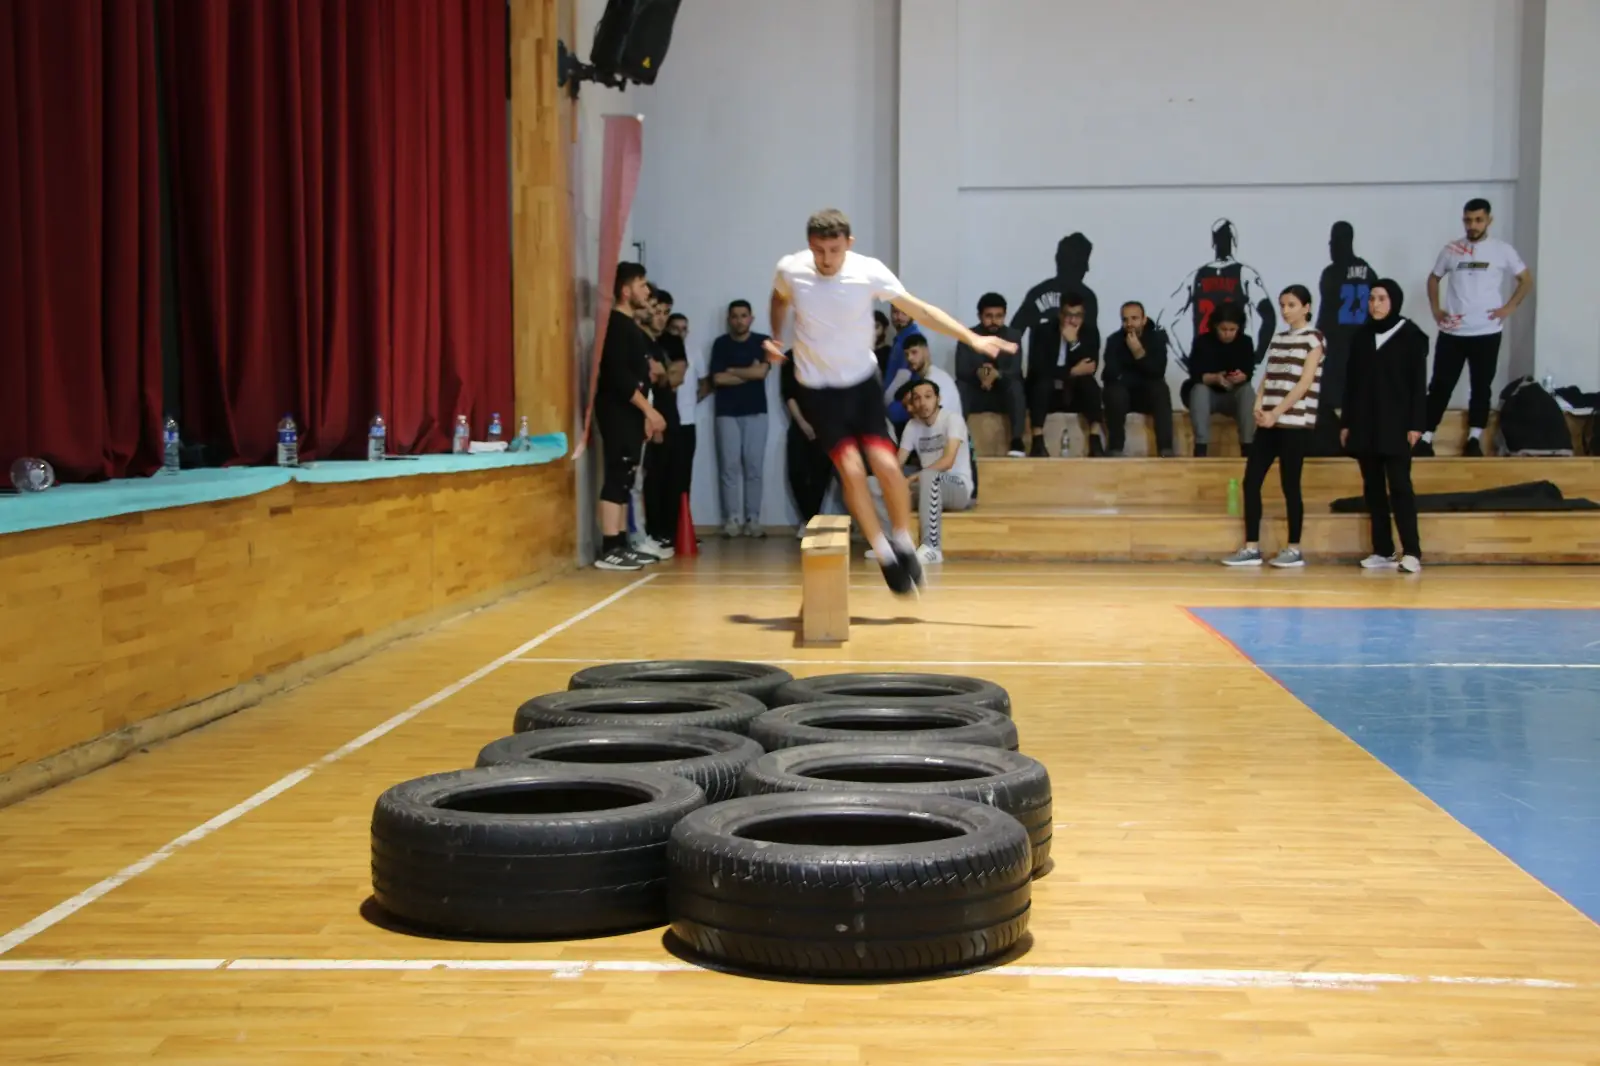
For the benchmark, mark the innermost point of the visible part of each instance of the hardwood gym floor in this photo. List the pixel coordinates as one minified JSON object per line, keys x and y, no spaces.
{"x":1235,"y":879}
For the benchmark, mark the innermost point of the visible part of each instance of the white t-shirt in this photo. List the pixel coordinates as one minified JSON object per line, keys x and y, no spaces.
{"x":1475,"y":276}
{"x":693,"y":371}
{"x":929,"y":441}
{"x":833,"y":326}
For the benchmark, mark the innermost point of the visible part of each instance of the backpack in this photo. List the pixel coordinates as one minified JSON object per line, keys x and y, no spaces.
{"x":1531,"y":422}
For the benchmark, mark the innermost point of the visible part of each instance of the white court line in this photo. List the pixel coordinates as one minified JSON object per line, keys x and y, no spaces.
{"x":936,"y":586}
{"x":574,"y":968}
{"x":28,"y":930}
{"x":1120,"y":664}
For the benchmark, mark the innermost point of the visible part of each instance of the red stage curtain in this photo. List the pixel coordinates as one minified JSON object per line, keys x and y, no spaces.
{"x":341,"y":226}
{"x":80,"y":249}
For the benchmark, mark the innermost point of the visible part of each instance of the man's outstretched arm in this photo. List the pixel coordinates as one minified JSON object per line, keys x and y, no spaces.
{"x":926,"y":314}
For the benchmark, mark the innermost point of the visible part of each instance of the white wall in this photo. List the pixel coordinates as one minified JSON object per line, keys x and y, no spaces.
{"x":1142,"y":122}
{"x":765,"y":111}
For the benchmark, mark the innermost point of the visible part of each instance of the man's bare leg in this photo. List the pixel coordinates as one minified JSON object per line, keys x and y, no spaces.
{"x":896,"y":493}
{"x":892,"y":555}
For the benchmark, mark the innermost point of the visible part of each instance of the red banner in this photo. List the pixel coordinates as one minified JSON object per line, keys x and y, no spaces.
{"x":619,"y":179}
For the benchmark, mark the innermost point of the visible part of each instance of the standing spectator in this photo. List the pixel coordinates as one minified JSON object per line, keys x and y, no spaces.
{"x":1220,"y":368}
{"x":739,"y":374}
{"x":993,"y":385}
{"x":880,"y":341}
{"x":1135,"y":378}
{"x":810,"y":468}
{"x":623,"y":414}
{"x":1471,"y":320}
{"x":1384,"y":410}
{"x":660,"y":508}
{"x":686,"y":369}
{"x":1286,"y":413}
{"x":1061,"y":371}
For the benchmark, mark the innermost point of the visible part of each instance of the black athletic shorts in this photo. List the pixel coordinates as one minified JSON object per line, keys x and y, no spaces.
{"x":850,"y":416}
{"x":622,"y":442}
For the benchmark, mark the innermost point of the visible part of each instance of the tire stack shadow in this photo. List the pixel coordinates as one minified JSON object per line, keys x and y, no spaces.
{"x":845,"y":827}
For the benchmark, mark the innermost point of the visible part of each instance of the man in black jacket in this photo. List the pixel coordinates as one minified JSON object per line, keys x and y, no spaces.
{"x":1061,"y":366}
{"x":993,"y":384}
{"x":1135,"y":378}
{"x":623,"y":413}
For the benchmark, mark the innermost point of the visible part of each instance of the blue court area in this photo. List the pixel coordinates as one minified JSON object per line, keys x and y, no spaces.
{"x":1494,"y":715}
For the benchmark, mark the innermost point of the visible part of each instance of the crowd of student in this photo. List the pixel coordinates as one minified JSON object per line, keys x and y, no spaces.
{"x":1386,"y":409}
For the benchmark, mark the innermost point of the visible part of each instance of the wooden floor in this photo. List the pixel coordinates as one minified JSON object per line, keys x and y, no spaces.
{"x":1234,"y":880}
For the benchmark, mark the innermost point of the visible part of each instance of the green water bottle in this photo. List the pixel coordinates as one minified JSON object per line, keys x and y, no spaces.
{"x":1233,"y":497}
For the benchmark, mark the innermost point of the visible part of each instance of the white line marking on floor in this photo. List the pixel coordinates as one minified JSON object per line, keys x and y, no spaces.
{"x":1118,"y":664}
{"x":28,"y":930}
{"x":570,"y":969}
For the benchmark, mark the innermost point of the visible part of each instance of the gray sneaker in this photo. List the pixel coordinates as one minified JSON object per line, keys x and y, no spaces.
{"x":1244,"y":557}
{"x":1289,"y":557}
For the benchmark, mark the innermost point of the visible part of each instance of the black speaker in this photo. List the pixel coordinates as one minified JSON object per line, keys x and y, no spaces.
{"x":632,"y":38}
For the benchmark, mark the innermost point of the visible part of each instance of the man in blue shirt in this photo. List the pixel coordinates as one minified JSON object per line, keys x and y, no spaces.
{"x":738,"y":371}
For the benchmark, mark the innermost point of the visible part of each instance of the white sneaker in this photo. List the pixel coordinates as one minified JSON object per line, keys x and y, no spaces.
{"x":732,"y":530}
{"x":1411,"y":564}
{"x":930,"y":554}
{"x":752,"y":529}
{"x":651,"y":548}
{"x":1379,"y":562}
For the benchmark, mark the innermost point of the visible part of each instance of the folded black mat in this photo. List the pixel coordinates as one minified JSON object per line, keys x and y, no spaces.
{"x":1528,"y":496}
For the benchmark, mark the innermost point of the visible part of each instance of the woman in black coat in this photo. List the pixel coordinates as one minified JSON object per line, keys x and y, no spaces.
{"x":1384,"y":412}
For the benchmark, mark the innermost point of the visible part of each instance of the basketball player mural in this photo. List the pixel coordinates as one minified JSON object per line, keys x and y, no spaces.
{"x":1041,"y":308}
{"x":1223,"y":280}
{"x":1342,"y":310}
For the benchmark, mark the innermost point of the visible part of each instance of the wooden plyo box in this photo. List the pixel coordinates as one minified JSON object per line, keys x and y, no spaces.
{"x":825,"y":581}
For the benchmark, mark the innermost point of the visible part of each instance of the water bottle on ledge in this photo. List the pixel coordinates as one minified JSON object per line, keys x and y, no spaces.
{"x":463,"y":436}
{"x":377,"y":439}
{"x":520,"y":443}
{"x":32,"y":475}
{"x":1066,"y":443}
{"x":496,"y":431}
{"x":288,"y":442}
{"x":171,"y":447}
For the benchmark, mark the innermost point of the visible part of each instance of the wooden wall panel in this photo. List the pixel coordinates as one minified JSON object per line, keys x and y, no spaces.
{"x":541,"y":239}
{"x":108,"y":624}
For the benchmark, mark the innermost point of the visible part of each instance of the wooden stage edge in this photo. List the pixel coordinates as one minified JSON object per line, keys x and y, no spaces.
{"x":133,"y":629}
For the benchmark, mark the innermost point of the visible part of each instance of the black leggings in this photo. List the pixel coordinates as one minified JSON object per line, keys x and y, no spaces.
{"x":1288,"y":447}
{"x":1397,"y":469}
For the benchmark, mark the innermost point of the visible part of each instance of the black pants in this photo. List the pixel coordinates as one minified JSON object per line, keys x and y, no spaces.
{"x":1397,"y":469}
{"x":1288,"y":447}
{"x":1005,"y":397}
{"x":1479,"y":355}
{"x":1048,"y":394}
{"x":668,"y":470}
{"x":810,"y":473}
{"x":1149,"y":397}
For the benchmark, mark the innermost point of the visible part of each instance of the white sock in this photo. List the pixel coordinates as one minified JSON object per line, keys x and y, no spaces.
{"x":902,"y":540}
{"x":1475,"y":434}
{"x":881,"y":548}
{"x":1428,"y":436}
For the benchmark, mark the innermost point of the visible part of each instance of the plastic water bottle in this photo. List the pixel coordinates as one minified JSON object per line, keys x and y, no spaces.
{"x":1233,"y":497}
{"x":1066,"y":443}
{"x":520,"y":441}
{"x":171,"y":447}
{"x":463,"y":436}
{"x":377,"y":439}
{"x":288,"y":442}
{"x":496,"y":431}
{"x":1549,"y":383}
{"x":32,"y":475}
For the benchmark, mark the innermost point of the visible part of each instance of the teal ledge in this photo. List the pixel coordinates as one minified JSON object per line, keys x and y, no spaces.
{"x":69,"y":504}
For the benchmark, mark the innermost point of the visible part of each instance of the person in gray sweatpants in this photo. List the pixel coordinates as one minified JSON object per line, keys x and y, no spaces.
{"x":738,"y":369}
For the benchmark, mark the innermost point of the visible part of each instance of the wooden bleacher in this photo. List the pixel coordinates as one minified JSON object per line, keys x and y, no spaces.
{"x":1176,"y":509}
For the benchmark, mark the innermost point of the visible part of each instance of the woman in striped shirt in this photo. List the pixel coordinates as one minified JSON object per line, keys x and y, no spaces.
{"x":1286,"y":413}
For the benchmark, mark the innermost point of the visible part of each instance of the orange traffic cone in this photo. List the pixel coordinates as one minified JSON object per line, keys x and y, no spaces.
{"x":686,"y":544}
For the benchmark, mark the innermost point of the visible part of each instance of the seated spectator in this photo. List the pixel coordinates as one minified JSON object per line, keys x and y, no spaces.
{"x":992,"y":385}
{"x":904,"y":327}
{"x":1136,"y":378}
{"x":1220,"y":367}
{"x":944,"y":480}
{"x":1061,"y":369}
{"x":919,"y":367}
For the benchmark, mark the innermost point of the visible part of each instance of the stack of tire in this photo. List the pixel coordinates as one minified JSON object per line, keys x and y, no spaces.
{"x":866,"y":825}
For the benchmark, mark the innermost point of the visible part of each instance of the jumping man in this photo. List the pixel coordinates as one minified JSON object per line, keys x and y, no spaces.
{"x":832,"y":290}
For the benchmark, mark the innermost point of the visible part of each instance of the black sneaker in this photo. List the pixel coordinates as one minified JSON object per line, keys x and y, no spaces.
{"x":1037,"y":451}
{"x":1096,"y":449}
{"x":900,"y":582}
{"x":1016,"y":451}
{"x":1200,"y":451}
{"x":1474,"y":448}
{"x":911,"y":565}
{"x":1422,"y":449}
{"x":618,"y":559}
